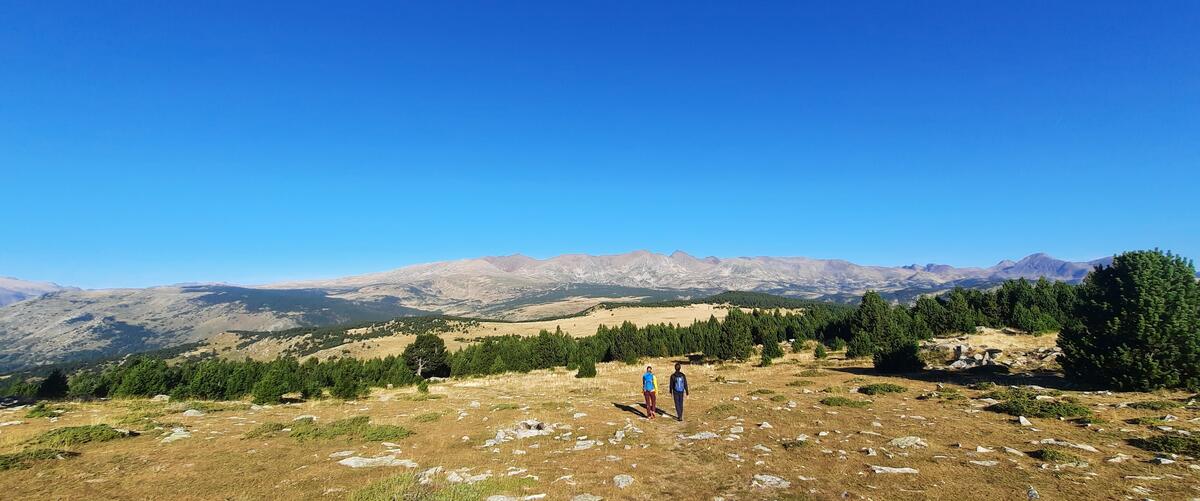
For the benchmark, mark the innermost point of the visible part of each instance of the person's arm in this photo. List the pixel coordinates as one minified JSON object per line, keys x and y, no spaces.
{"x":686,"y":390}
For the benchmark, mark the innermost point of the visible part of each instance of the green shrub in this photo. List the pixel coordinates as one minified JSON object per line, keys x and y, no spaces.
{"x":1055,"y":456}
{"x":762,"y":391}
{"x":1156,"y":405}
{"x":265,"y":429}
{"x":406,"y":487}
{"x":779,"y":398}
{"x":881,"y":388}
{"x":77,"y":435}
{"x":819,"y":352}
{"x":1173,"y":444}
{"x":984,"y":385}
{"x":1136,"y":324}
{"x":423,"y":386}
{"x":1040,"y":408}
{"x":19,"y":460}
{"x":1147,"y":421}
{"x":355,"y":428}
{"x":587,"y":368}
{"x":801,"y":382}
{"x":810,"y":373}
{"x":844,"y":402}
{"x":505,"y":407}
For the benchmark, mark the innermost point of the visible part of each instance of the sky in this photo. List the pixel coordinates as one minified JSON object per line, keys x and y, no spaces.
{"x":149,"y":143}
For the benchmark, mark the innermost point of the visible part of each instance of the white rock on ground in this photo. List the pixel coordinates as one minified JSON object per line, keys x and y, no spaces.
{"x":1023,"y":421}
{"x":891,"y":470}
{"x":362,"y":462}
{"x":762,"y":481}
{"x":622,"y":481}
{"x":1064,"y":443}
{"x":11,"y":423}
{"x":176,"y":434}
{"x":587,"y":497}
{"x":341,"y":454}
{"x":303,"y":417}
{"x":985,"y":463}
{"x":906,"y":442}
{"x":193,"y":413}
{"x":704,"y":435}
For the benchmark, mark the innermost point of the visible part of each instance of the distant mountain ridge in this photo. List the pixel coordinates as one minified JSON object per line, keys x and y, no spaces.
{"x":62,"y":324}
{"x":13,"y":290}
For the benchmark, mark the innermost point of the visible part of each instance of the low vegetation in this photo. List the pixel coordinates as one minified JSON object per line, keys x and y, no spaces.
{"x":881,"y":388}
{"x":23,"y":459}
{"x":1156,"y":405}
{"x":1172,"y":444}
{"x":844,"y":402}
{"x":1055,"y":456}
{"x":406,"y":487}
{"x":77,"y":435}
{"x":357,"y":428}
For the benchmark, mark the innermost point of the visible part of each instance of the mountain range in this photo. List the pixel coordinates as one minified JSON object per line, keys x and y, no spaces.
{"x":47,"y":323}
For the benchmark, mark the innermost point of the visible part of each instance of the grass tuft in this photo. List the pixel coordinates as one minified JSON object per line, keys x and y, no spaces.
{"x":881,"y":388}
{"x":20,"y":460}
{"x":1174,"y":444}
{"x":1155,"y":405}
{"x":265,"y":429}
{"x":427,"y":417}
{"x":844,"y":402}
{"x":721,"y":409}
{"x":406,"y":487}
{"x":41,"y":410}
{"x":1055,"y":456}
{"x":762,"y":391}
{"x":355,"y":428}
{"x":77,"y":435}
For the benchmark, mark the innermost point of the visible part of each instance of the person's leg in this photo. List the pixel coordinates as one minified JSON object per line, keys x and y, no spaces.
{"x":679,"y":406}
{"x":653,"y":404}
{"x":649,"y":405}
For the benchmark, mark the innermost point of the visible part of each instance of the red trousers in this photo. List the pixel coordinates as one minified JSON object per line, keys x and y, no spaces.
{"x":651,"y":398}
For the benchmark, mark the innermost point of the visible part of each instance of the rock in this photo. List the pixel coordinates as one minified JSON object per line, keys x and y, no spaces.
{"x":906,"y":442}
{"x":1162,"y":460}
{"x":193,"y":413}
{"x":426,"y":477}
{"x":582,"y":445}
{"x":587,"y":497}
{"x":1014,"y":452}
{"x":11,"y":423}
{"x":361,"y":462}
{"x":737,"y":429}
{"x":160,"y":398}
{"x":762,"y":481}
{"x":1119,"y":458}
{"x":176,"y":434}
{"x":765,"y":426}
{"x":982,"y":449}
{"x":985,"y":463}
{"x":1023,"y":421}
{"x":762,"y":448}
{"x":704,"y":435}
{"x":1032,"y":493}
{"x":578,"y":415}
{"x":890,"y":470}
{"x":622,"y":481}
{"x":304,"y":417}
{"x":341,"y":454}
{"x":1064,"y":443}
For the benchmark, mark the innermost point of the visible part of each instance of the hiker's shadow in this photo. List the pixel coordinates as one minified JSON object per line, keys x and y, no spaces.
{"x":639,"y":412}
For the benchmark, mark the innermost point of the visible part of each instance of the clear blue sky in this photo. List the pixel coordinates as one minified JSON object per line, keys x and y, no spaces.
{"x":143,"y":143}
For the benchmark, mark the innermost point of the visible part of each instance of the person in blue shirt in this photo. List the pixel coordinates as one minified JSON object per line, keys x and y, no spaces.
{"x":650,"y":391}
{"x":679,"y":388}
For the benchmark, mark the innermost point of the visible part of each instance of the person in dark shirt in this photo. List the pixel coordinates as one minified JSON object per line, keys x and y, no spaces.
{"x":679,"y":389}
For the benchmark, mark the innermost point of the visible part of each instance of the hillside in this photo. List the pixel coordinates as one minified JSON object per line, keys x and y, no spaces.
{"x":13,"y":290}
{"x":749,"y":433}
{"x":69,"y":325}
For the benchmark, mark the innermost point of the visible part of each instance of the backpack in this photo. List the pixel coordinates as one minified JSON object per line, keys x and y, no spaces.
{"x":679,"y":383}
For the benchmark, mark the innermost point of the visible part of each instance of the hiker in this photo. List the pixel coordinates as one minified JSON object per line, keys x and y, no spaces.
{"x":650,"y":390}
{"x":679,"y":388}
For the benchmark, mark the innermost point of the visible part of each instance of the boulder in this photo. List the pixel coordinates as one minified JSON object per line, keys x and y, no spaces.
{"x":362,"y":462}
{"x":622,"y":481}
{"x":762,"y":481}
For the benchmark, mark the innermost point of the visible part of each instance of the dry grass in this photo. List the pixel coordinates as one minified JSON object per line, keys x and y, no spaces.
{"x":243,"y":453}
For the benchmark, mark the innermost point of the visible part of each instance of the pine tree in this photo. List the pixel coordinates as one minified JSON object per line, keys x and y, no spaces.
{"x":587,"y":368}
{"x":426,"y":356}
{"x":1137,"y":324}
{"x":819,"y":352}
{"x":54,"y":386}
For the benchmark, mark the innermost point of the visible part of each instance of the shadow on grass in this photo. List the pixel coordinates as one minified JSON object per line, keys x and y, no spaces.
{"x":987,"y":373}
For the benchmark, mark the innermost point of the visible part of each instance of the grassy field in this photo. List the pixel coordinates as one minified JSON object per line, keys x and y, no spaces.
{"x":825,"y":437}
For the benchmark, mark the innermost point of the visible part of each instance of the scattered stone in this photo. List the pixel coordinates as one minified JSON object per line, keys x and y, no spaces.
{"x":704,"y":435}
{"x":176,"y":434}
{"x":582,"y":445}
{"x":1032,"y":493}
{"x":426,"y":477}
{"x":983,"y":450}
{"x":985,"y":463}
{"x":1162,"y":460}
{"x":762,"y":448}
{"x":890,"y":470}
{"x":622,"y":481}
{"x":11,"y":423}
{"x":362,"y":462}
{"x":160,"y":398}
{"x":737,"y":429}
{"x":1064,"y":443}
{"x":578,"y":415}
{"x":762,"y":481}
{"x":341,"y":454}
{"x":765,"y":426}
{"x":305,"y":417}
{"x":193,"y":413}
{"x":906,"y":442}
{"x":1014,"y":452}
{"x":1024,"y":421}
{"x":1119,"y":458}
{"x":587,"y":497}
